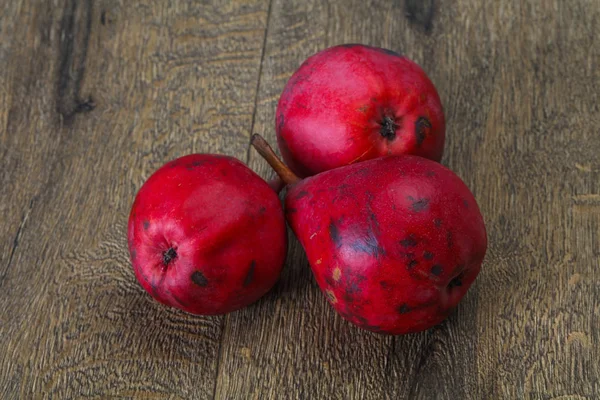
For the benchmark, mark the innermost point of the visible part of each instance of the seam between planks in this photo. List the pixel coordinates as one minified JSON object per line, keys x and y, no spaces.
{"x":256,"y":94}
{"x":16,"y":240}
{"x":219,"y":357}
{"x":260,"y":67}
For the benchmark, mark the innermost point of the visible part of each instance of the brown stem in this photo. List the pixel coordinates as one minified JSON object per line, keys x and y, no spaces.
{"x":265,"y":150}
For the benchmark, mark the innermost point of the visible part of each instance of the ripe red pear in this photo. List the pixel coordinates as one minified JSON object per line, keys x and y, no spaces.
{"x":352,"y":103}
{"x":206,"y":235}
{"x":394,"y":243}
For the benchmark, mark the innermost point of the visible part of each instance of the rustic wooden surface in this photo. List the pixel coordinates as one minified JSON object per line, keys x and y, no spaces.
{"x":95,"y":95}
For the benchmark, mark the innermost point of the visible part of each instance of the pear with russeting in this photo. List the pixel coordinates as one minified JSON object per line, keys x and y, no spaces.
{"x":394,"y":242}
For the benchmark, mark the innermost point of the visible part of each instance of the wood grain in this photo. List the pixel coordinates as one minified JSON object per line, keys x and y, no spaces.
{"x":95,"y":95}
{"x":520,"y":86}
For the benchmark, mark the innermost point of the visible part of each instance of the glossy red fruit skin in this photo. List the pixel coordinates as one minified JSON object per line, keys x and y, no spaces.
{"x":352,"y":103}
{"x":394,"y":243}
{"x":226,"y":226}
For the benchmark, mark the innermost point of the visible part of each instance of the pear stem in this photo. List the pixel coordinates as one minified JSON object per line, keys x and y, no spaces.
{"x":265,"y":150}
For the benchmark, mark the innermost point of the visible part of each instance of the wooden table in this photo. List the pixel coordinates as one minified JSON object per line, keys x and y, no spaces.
{"x":95,"y":95}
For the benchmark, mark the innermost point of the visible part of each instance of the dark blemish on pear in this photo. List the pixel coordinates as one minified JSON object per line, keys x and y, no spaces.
{"x":465,"y":203}
{"x":329,"y":281}
{"x":422,"y":126}
{"x":281,"y":122}
{"x":430,"y":174}
{"x":353,"y":283}
{"x":449,"y":239}
{"x":403,"y":309}
{"x":199,"y":279}
{"x":353,"y":288}
{"x":412,"y":264}
{"x":365,"y":246}
{"x":410,"y":241}
{"x":437,"y":270}
{"x":456,"y":282}
{"x":250,"y":273}
{"x":428,"y":255}
{"x":334,"y":233}
{"x":418,"y":205}
{"x":301,"y":194}
{"x":372,"y":218}
{"x":437,"y":222}
{"x":359,"y":172}
{"x":384,"y":285}
{"x":341,"y":188}
{"x":146,"y":224}
{"x":133,"y":254}
{"x":388,"y":127}
{"x":262,"y":210}
{"x":169,"y":256}
{"x":368,"y":244}
{"x":197,"y":163}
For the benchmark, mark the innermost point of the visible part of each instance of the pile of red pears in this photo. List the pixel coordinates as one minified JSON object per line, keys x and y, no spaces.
{"x":394,"y":239}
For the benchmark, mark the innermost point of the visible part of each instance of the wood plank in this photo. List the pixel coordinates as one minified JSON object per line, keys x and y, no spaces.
{"x":95,"y":96}
{"x":520,"y":83}
{"x":539,"y":301}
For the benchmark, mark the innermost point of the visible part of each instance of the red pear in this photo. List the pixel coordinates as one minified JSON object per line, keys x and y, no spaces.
{"x":352,"y":103}
{"x":206,"y":235}
{"x":394,"y":242}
